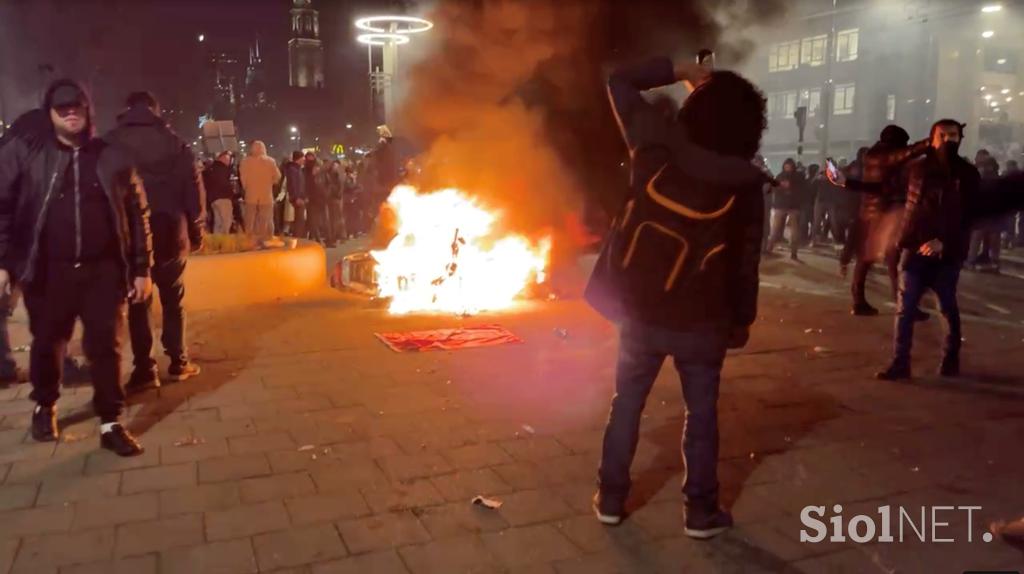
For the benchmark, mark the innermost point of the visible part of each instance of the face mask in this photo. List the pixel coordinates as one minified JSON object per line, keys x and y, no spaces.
{"x":949,"y":149}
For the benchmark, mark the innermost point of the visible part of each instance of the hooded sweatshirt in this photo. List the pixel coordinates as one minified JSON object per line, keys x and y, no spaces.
{"x":259,"y":173}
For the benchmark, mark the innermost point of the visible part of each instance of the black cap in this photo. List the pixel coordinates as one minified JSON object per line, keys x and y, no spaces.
{"x":68,"y":95}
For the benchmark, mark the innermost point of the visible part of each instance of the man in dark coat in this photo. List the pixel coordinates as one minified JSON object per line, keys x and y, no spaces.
{"x":168,"y":170}
{"x":786,"y":206}
{"x":296,"y":188}
{"x":679,"y":271}
{"x":75,"y":236}
{"x":944,"y":199}
{"x":220,"y":194}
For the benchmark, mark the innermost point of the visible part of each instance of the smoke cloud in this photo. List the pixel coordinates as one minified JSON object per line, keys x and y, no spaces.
{"x":512,"y":106}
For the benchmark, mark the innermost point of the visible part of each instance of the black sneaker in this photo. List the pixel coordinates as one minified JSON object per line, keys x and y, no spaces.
{"x":119,"y":440}
{"x":609,"y":509}
{"x":142,"y":379}
{"x":894,"y":372}
{"x":950,"y":366}
{"x":44,"y":424}
{"x":183,"y":371}
{"x":703,"y":525}
{"x":864,"y":310}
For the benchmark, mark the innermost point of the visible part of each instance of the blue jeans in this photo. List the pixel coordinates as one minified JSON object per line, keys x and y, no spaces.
{"x":919,"y":273}
{"x":698,"y":355}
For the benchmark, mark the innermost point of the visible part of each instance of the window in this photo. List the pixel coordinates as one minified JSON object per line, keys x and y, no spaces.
{"x":782,"y":105}
{"x":846,"y":45}
{"x":812,"y":99}
{"x":890,"y":108}
{"x":812,"y":51}
{"x":784,"y":56}
{"x":843,"y":100}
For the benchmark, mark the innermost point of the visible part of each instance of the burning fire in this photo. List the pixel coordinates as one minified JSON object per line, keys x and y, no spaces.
{"x":448,"y":257}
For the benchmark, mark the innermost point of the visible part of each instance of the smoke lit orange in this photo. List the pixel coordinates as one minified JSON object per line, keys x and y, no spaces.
{"x":448,"y":256}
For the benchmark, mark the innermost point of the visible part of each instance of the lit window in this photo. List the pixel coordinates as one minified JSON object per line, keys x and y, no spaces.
{"x":890,"y":107}
{"x":846,"y":45}
{"x":812,"y":51}
{"x":782,"y":105}
{"x":784,"y":56}
{"x":812,"y":99}
{"x":843,"y":99}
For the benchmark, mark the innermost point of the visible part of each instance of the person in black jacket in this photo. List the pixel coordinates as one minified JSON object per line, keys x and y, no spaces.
{"x":944,"y":199}
{"x":786,"y":205}
{"x":168,"y":170}
{"x":75,"y":236}
{"x":296,"y":189}
{"x":220,"y":193}
{"x":679,"y":271}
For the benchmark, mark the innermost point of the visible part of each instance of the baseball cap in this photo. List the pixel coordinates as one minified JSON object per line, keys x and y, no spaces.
{"x":68,"y":95}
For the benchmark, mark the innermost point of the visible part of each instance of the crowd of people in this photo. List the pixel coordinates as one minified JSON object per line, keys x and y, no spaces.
{"x":303,"y":196}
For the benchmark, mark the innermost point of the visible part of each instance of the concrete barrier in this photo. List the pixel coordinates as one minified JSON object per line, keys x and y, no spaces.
{"x":217,"y":281}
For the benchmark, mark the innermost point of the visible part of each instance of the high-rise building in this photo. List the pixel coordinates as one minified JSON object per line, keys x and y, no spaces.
{"x":226,"y":72}
{"x":305,"y":51}
{"x":256,"y":94}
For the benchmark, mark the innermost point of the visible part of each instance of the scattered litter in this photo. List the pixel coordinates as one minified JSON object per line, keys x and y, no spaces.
{"x":190,"y":441}
{"x":448,"y":382}
{"x":788,"y":439}
{"x":808,"y":330}
{"x":529,"y":429}
{"x":552,"y":296}
{"x":71,"y":437}
{"x":327,"y":449}
{"x":448,"y":339}
{"x":752,"y":455}
{"x":490,"y":503}
{"x":915,"y":468}
{"x":822,"y":350}
{"x":313,"y":457}
{"x":22,"y":349}
{"x":561,"y":333}
{"x":306,"y":447}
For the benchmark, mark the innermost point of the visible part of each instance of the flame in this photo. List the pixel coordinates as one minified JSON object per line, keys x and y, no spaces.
{"x":448,"y":257}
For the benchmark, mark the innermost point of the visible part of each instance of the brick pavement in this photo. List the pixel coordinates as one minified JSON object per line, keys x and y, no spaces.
{"x":307,"y":447}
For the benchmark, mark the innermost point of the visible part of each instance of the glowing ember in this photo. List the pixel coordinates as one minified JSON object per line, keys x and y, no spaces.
{"x":448,"y":257}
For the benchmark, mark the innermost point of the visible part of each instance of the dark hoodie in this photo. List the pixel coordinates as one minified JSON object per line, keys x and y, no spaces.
{"x":684,"y":252}
{"x":173,"y":186}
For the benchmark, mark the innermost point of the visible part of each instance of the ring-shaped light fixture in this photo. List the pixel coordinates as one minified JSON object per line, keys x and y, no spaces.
{"x":406,"y":24}
{"x":382,"y":39}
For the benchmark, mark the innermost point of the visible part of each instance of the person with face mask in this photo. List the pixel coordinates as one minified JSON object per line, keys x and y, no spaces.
{"x":75,"y":236}
{"x":944,"y":199}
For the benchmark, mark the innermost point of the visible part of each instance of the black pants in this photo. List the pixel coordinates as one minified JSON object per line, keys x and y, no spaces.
{"x":299,"y":223}
{"x":168,"y":277}
{"x":316,"y":220}
{"x":94,"y":293}
{"x":861,"y":270}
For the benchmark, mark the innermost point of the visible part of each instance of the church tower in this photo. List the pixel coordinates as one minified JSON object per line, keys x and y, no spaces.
{"x":305,"y":51}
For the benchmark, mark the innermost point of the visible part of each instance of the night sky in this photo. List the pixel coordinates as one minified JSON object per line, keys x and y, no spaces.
{"x":117,"y":46}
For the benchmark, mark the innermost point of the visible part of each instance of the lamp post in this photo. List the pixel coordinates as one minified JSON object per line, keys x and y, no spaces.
{"x":386,"y":33}
{"x":297,"y":136}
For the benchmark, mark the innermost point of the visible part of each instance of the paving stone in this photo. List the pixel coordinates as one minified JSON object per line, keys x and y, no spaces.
{"x":211,"y":448}
{"x":71,"y":489}
{"x":460,"y":519}
{"x":228,"y":557}
{"x":133,"y":565}
{"x":15,"y":496}
{"x":529,"y":545}
{"x":202,"y":498}
{"x":298,"y":546}
{"x":362,"y":473}
{"x":387,"y":562}
{"x":327,"y":507}
{"x":418,"y":494}
{"x":156,"y":535}
{"x":233,"y":468}
{"x":534,"y":449}
{"x":211,"y":430}
{"x":36,"y":471}
{"x":37,"y":520}
{"x":8,"y":549}
{"x":592,"y":536}
{"x":158,"y":478}
{"x":96,"y":512}
{"x":382,"y":531}
{"x":477,"y":456}
{"x":104,"y":461}
{"x":533,"y":506}
{"x":521,"y":475}
{"x":601,"y":563}
{"x":466,"y":554}
{"x":263,"y":442}
{"x":32,"y":451}
{"x":276,"y":487}
{"x":282,"y":461}
{"x":403,"y":467}
{"x":463,"y":486}
{"x":50,"y":550}
{"x":246,"y":520}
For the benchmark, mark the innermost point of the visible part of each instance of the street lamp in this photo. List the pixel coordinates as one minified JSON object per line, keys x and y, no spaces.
{"x":202,"y":37}
{"x":295,"y":130}
{"x":348,"y":126}
{"x":992,"y":8}
{"x":987,"y":34}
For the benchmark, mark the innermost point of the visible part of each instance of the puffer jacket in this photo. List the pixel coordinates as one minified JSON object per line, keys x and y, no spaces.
{"x":883,"y":165}
{"x":29,"y":172}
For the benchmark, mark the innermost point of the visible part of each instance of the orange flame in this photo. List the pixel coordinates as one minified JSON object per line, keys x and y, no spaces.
{"x":448,"y":257}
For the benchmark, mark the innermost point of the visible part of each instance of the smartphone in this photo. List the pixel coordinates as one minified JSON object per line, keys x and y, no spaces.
{"x":831,"y":168}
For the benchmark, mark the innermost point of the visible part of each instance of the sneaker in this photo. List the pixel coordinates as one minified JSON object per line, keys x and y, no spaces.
{"x":703,"y":525}
{"x":183,"y":371}
{"x":44,"y":424}
{"x":950,"y":366}
{"x":608,"y":509}
{"x":894,"y":372}
{"x":142,"y":379}
{"x":13,"y":377}
{"x":121,"y":442}
{"x":864,"y":310}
